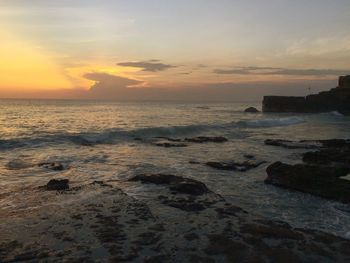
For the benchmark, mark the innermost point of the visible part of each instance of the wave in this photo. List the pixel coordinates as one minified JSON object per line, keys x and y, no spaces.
{"x":112,"y":136}
{"x":266,"y":123}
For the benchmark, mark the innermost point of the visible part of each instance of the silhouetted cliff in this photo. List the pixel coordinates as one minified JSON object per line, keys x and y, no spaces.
{"x":337,"y":99}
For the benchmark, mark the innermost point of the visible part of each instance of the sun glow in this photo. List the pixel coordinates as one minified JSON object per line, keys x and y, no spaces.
{"x":26,"y":67}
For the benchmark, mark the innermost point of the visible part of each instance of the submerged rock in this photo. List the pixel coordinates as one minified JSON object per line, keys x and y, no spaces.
{"x":57,"y":185}
{"x":185,"y":204}
{"x":52,"y":166}
{"x":235,"y":166}
{"x":293,"y":144}
{"x":203,"y":139}
{"x":168,"y":139}
{"x":18,"y":164}
{"x":251,"y":110}
{"x":323,"y":181}
{"x":185,"y":194}
{"x":176,"y":183}
{"x":190,"y":187}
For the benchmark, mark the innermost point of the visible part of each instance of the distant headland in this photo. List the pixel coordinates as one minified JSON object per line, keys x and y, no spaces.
{"x":336,"y":99}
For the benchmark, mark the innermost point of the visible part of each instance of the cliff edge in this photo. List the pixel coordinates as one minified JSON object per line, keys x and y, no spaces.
{"x":337,"y":99}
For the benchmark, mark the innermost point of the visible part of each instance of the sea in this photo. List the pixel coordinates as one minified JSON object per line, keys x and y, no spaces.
{"x":114,"y":141}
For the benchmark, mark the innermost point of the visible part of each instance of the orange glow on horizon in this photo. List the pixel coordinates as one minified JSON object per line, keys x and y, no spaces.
{"x":25,"y":67}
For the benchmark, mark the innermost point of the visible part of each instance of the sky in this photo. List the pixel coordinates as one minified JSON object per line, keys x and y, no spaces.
{"x":162,"y":49}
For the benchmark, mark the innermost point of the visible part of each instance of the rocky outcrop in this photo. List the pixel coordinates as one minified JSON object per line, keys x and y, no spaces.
{"x":337,"y":99}
{"x":175,"y":183}
{"x":321,"y":171}
{"x":313,"y":179}
{"x":251,"y":110}
{"x":235,"y":166}
{"x":292,"y":144}
{"x":52,"y":166}
{"x":57,"y":185}
{"x":203,"y":139}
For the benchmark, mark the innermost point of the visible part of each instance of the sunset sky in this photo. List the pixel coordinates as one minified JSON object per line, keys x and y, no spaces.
{"x":143,"y":49}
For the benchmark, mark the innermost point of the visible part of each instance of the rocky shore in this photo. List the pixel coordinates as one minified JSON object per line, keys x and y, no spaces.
{"x":189,"y":224}
{"x":182,"y":220}
{"x":321,"y":172}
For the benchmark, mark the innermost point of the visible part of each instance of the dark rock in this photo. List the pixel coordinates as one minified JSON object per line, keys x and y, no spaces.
{"x":157,"y":178}
{"x":57,"y":185}
{"x":169,"y":145}
{"x":334,"y":156}
{"x":18,"y":164}
{"x":230,"y":210}
{"x":185,"y":204}
{"x":235,"y":166}
{"x":190,"y":187}
{"x":249,"y":156}
{"x":203,"y":139}
{"x":168,"y":139}
{"x":203,"y":107}
{"x":271,"y":230}
{"x":284,"y":104}
{"x":337,"y":99}
{"x":344,"y":82}
{"x":191,"y":236}
{"x":251,"y":110}
{"x":322,"y":181}
{"x":234,"y":251}
{"x":52,"y":166}
{"x":335,"y":143}
{"x":175,"y":183}
{"x":293,"y":144}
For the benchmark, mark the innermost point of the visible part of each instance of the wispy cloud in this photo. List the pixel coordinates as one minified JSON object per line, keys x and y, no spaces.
{"x":252,"y":70}
{"x":153,"y":65}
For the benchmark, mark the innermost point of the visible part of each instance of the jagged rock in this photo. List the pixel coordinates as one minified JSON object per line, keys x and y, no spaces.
{"x":203,"y":139}
{"x":316,"y":180}
{"x":251,"y":110}
{"x":52,"y":166}
{"x":175,"y":183}
{"x":57,"y":185}
{"x":235,"y":166}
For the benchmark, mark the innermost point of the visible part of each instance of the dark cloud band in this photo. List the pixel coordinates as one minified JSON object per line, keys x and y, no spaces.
{"x":151,"y":65}
{"x":280,"y":71}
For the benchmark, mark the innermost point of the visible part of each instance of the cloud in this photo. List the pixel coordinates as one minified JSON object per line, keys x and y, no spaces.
{"x":107,"y":85}
{"x":252,"y":70}
{"x":153,"y":65}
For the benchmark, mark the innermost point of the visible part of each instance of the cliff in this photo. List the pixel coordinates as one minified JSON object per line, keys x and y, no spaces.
{"x":337,"y":99}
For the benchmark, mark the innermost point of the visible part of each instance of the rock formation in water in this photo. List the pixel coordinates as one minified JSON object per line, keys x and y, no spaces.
{"x":337,"y":99}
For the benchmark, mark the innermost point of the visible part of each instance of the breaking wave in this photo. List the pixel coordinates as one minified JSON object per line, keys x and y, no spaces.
{"x":112,"y":136}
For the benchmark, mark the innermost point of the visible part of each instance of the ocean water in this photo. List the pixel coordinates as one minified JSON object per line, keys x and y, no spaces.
{"x":96,"y":141}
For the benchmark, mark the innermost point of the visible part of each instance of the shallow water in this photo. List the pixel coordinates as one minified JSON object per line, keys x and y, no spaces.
{"x":96,"y":141}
